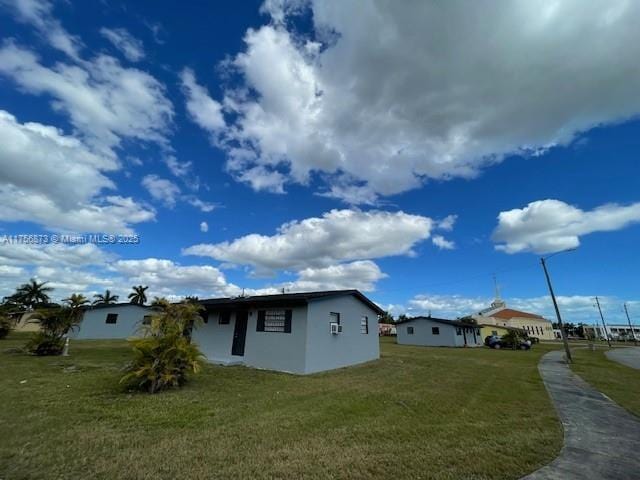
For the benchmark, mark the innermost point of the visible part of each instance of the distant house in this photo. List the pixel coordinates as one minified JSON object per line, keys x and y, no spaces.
{"x":112,"y":321}
{"x":438,"y":332}
{"x":498,"y":314}
{"x":292,"y":332}
{"x":386,"y":329}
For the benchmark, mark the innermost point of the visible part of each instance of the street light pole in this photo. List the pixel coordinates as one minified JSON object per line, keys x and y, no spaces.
{"x":635,"y":340}
{"x":563,"y":334}
{"x":606,"y":334}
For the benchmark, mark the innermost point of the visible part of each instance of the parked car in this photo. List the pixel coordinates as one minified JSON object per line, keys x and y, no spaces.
{"x":494,"y":341}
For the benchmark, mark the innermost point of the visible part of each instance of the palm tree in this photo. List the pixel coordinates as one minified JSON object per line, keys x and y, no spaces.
{"x":105,"y":298}
{"x":32,"y":294}
{"x":138,"y":296}
{"x":159,"y":302}
{"x":76,"y":301}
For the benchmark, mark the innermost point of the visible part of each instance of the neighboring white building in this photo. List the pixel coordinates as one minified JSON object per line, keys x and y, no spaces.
{"x":292,"y":332}
{"x":112,"y":321}
{"x":438,"y":332}
{"x":616,"y":331}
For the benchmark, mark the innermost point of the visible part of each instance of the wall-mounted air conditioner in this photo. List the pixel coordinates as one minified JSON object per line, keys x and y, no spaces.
{"x":336,"y":328}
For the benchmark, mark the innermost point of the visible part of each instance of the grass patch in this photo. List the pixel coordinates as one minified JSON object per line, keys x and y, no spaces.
{"x":617,"y":381}
{"x":416,"y":413}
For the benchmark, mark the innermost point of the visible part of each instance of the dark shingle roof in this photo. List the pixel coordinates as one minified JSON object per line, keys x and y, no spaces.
{"x":455,"y":323}
{"x":111,"y":305}
{"x":289,"y":298}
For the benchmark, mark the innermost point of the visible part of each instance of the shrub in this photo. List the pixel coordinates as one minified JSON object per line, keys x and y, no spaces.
{"x":164,"y":356}
{"x":41,"y":343}
{"x":6,"y":325}
{"x":55,"y":323}
{"x":513,"y":338}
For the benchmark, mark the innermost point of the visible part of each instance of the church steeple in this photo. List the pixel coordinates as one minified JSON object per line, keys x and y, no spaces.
{"x":497,"y":302}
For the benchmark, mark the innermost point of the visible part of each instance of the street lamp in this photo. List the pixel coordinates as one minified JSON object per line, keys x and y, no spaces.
{"x":563,"y":334}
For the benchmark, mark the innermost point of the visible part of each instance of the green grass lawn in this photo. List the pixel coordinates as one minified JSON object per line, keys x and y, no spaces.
{"x":617,"y":381}
{"x":415,"y":413}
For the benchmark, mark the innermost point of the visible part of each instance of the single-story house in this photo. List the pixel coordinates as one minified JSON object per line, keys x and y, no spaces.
{"x":385,"y":329}
{"x":291,"y":332}
{"x":438,"y":332}
{"x":112,"y":321}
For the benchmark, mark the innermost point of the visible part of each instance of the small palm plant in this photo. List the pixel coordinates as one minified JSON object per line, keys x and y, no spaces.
{"x":54,"y":323}
{"x":105,"y":298}
{"x":138,"y":296}
{"x":164,"y":356}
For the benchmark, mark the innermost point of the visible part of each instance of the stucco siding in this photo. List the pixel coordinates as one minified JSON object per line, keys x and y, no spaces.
{"x":215,"y":340}
{"x":447,"y":337}
{"x":274,"y":350}
{"x":94,"y":324}
{"x":269,"y":350}
{"x":326,"y":351}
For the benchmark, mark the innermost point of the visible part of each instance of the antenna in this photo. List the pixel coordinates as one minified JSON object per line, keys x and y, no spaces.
{"x":496,"y":286}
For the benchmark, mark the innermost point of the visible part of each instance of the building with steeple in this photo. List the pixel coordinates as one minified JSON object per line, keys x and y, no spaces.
{"x":499,"y":314}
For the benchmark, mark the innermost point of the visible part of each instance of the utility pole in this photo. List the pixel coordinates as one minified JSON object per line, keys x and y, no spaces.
{"x":555,"y":305}
{"x":606,"y":334}
{"x":635,"y":340}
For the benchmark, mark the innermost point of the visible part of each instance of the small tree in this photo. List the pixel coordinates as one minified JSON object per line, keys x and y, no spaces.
{"x":513,"y":337}
{"x":165,"y":355}
{"x":55,"y":323}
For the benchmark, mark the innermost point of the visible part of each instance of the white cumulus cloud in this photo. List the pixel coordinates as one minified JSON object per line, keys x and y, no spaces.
{"x":382,"y":95}
{"x":161,"y":189}
{"x":65,"y":193}
{"x":548,"y":226}
{"x":337,"y":236}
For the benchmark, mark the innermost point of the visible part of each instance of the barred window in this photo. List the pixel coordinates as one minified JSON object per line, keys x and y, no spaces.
{"x":224,"y":318}
{"x":112,"y":318}
{"x":274,"y":320}
{"x":458,"y":331}
{"x":334,"y":317}
{"x":146,"y":320}
{"x":364,"y":325}
{"x":435,"y":330}
{"x":409,"y":330}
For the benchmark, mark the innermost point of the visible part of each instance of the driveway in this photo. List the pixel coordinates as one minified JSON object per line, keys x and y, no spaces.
{"x":629,"y":356}
{"x":601,"y":439}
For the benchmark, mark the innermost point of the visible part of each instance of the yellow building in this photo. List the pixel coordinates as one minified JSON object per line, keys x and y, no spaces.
{"x":487,"y":330}
{"x":498,"y":315}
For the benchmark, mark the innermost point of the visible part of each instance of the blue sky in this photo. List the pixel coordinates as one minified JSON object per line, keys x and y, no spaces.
{"x":314,"y":145}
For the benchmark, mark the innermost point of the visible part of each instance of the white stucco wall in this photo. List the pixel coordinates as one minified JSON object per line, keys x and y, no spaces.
{"x":268,"y":350}
{"x":326,"y":351}
{"x":274,"y":350}
{"x":94,"y":324}
{"x":215,"y":340}
{"x":422,"y":334}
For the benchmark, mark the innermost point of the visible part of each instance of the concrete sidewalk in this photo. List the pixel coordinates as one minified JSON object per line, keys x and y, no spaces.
{"x":629,"y":356}
{"x":601,"y":439}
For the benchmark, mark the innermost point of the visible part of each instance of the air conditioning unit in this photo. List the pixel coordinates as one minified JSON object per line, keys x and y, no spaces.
{"x":336,"y":328}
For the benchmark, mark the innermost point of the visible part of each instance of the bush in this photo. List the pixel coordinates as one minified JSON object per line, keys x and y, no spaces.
{"x":165,"y":355}
{"x":42,"y":343}
{"x":55,"y":323}
{"x":6,"y":325}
